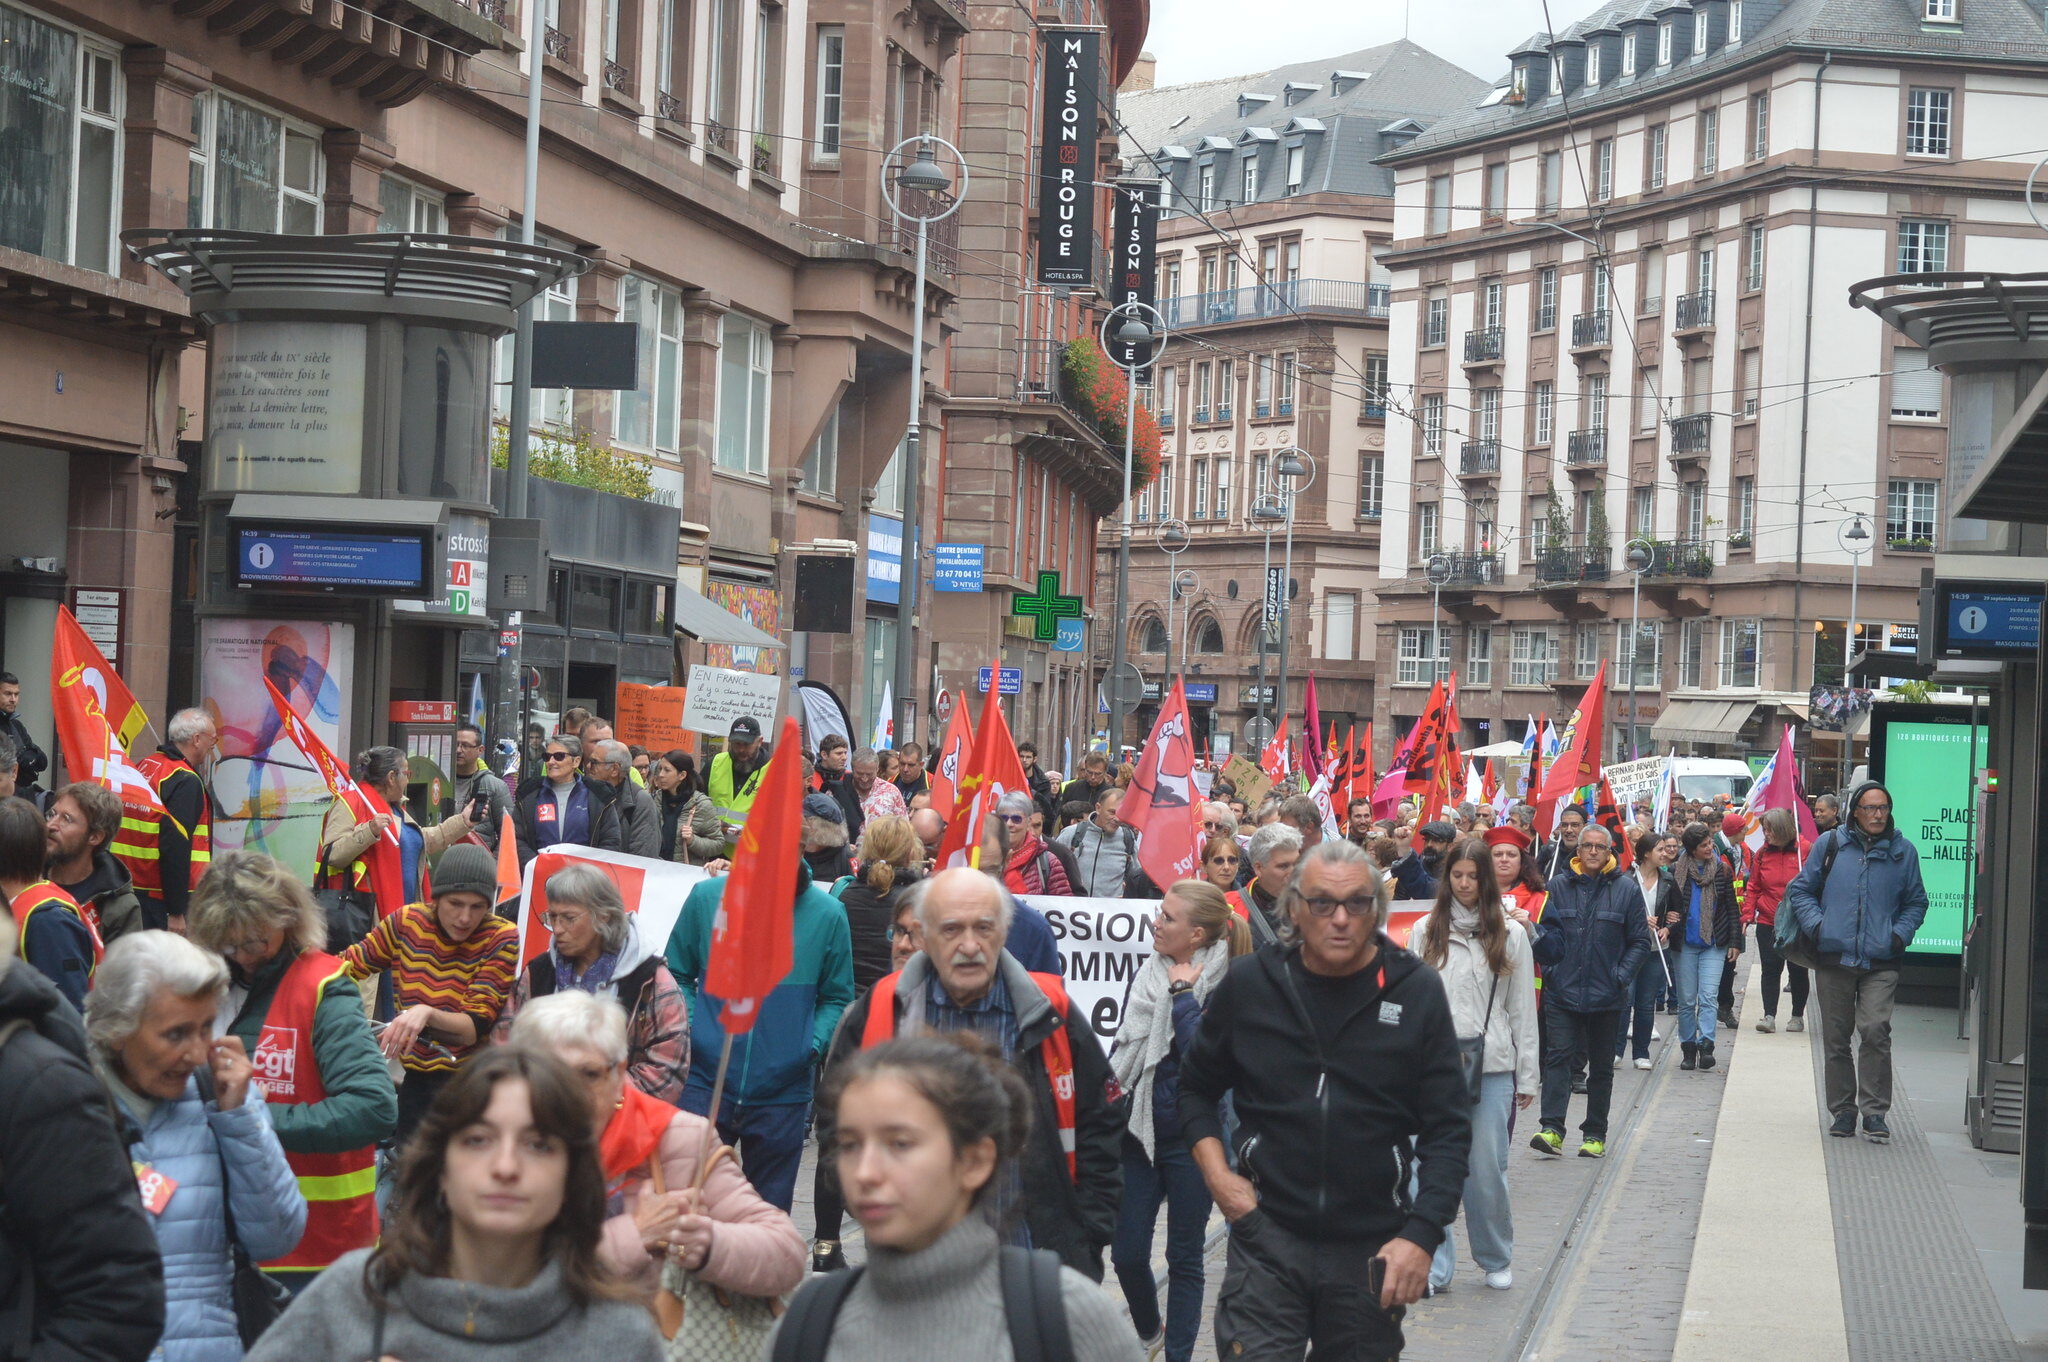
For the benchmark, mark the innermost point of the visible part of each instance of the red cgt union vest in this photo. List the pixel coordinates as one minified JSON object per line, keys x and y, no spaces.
{"x":43,"y":894}
{"x":1057,"y":1049}
{"x":340,"y":1189}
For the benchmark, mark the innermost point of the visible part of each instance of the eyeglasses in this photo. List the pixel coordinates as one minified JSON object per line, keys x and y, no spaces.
{"x":1365,"y":905}
{"x":465,"y":742}
{"x":1873,"y":808}
{"x":557,"y":756}
{"x":1015,"y":819}
{"x":556,"y":921}
{"x":1221,"y":859}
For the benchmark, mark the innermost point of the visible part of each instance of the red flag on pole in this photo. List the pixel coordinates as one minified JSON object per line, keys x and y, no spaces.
{"x":1314,"y":757}
{"x":71,"y":648}
{"x":1361,"y":769}
{"x":1160,"y":803}
{"x":82,"y":687}
{"x":1607,"y":813}
{"x":954,"y":749}
{"x":753,"y":939}
{"x":1435,"y":770}
{"x":1577,"y":763}
{"x":387,"y":868}
{"x":1274,"y":760}
{"x":991,"y":772}
{"x":508,"y":858}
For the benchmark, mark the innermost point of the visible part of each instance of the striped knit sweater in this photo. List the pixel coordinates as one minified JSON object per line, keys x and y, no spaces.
{"x":472,"y":976}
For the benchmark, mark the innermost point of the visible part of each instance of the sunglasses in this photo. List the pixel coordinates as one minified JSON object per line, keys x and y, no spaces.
{"x":1223,"y":860}
{"x":558,"y":756}
{"x":1015,"y":819}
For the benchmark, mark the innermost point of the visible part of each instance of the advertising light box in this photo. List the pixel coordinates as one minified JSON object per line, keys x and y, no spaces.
{"x":1928,"y":764}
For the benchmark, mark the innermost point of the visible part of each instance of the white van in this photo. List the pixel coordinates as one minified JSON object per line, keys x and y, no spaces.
{"x":1706,"y":777}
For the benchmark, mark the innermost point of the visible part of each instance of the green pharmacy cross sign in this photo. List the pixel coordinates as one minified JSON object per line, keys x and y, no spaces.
{"x":1047,"y":608}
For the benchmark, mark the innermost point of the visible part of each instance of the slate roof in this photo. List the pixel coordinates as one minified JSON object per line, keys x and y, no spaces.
{"x":1401,"y":80}
{"x":1991,"y":30}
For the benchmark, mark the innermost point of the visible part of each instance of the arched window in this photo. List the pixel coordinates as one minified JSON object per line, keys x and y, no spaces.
{"x":1154,"y":636}
{"x":1208,"y":635}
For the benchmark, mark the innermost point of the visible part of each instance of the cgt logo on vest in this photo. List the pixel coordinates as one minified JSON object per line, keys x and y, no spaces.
{"x":276,"y":1061}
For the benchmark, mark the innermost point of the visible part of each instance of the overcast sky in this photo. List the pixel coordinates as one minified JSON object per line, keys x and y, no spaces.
{"x":1209,"y":39}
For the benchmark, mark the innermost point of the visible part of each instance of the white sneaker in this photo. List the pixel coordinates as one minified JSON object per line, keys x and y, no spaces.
{"x":1655,"y":1034}
{"x":1501,"y":1280}
{"x":1643,"y":1063}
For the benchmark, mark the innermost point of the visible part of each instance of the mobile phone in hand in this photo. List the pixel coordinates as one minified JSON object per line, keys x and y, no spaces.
{"x":1376,"y":1277}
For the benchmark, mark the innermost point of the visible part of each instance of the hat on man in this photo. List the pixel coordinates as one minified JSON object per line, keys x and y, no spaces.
{"x":1439,"y":832}
{"x":746,"y":728}
{"x":467,"y":868}
{"x":824,"y":806}
{"x":1508,"y":835}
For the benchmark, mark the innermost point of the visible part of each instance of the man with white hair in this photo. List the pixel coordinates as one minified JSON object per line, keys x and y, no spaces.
{"x":1066,"y":1186}
{"x":610,"y":766}
{"x":166,"y":862}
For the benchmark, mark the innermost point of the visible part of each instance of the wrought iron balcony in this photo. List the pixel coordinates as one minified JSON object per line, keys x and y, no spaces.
{"x":1479,"y":459}
{"x":1692,"y":436}
{"x":1475,"y":569}
{"x":1680,"y":558}
{"x":1695,"y":311}
{"x":1485,"y":346}
{"x":558,"y":44}
{"x":1285,"y":298}
{"x":1567,"y":564}
{"x":670,"y":107}
{"x":1589,"y":329}
{"x":618,"y":77}
{"x":1586,"y":448}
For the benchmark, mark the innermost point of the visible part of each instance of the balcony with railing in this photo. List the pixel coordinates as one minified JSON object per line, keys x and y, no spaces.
{"x":1695,"y":311}
{"x":1479,"y":459}
{"x":1589,"y":330}
{"x":1485,"y":345}
{"x":1569,"y":564}
{"x":1692,"y":436}
{"x":1680,"y":558}
{"x":1586,"y":448}
{"x":1286,"y":298}
{"x":1475,"y":569}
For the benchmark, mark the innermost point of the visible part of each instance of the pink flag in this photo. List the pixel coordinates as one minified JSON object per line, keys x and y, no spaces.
{"x":1160,"y":804}
{"x":1778,"y":788}
{"x":1313,"y":757}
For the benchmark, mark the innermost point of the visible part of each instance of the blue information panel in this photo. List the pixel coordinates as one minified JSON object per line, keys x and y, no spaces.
{"x":1072,"y":638}
{"x":1012,"y":683}
{"x":1988,"y":621}
{"x":1201,"y":692}
{"x":957,"y":567}
{"x":332,"y":559}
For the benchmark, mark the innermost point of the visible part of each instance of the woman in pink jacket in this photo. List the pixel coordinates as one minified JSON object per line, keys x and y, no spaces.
{"x":724,"y":1234}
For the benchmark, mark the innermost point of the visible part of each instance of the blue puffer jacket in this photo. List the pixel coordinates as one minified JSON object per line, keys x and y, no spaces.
{"x":1872,"y":902}
{"x":192,"y":1143}
{"x":1593,"y":936}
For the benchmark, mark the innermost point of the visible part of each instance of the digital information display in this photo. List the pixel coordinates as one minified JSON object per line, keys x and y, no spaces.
{"x":331,"y":559}
{"x":1989,"y":620}
{"x":1928,"y":769}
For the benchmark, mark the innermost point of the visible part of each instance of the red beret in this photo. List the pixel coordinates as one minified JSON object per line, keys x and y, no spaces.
{"x":1733,"y":824}
{"x":1508,"y":835}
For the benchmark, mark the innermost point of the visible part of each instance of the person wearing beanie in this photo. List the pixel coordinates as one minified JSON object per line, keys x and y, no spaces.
{"x":452,"y":964}
{"x":826,"y":838}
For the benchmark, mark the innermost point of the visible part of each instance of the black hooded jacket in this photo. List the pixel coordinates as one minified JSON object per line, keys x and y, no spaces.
{"x":75,"y":1244}
{"x":1323,"y":1128}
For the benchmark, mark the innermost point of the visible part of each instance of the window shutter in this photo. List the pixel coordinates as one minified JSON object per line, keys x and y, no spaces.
{"x":1916,"y":384}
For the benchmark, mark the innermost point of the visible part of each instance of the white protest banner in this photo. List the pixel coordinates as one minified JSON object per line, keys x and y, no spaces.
{"x":653,"y":890}
{"x":718,"y":695}
{"x":1635,"y":782}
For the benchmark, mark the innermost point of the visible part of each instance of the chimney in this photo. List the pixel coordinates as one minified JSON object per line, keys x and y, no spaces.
{"x":1141,"y":73}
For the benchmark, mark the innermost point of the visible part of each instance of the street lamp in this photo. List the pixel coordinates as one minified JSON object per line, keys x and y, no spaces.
{"x":1299,"y":470}
{"x":1438,"y":570}
{"x":1854,"y":539}
{"x":1142,"y":328}
{"x":1185,"y":583}
{"x":922,"y":174}
{"x":1267,"y":515}
{"x":1640,"y":555}
{"x":1173,"y":541}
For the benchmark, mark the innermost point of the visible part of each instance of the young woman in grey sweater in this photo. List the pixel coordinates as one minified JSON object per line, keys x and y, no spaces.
{"x":925,"y":1127}
{"x":491,"y":1250}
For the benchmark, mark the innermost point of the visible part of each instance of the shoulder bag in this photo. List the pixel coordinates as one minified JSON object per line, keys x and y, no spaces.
{"x":1472,"y":1053}
{"x":705,"y":1323}
{"x":258,"y":1299}
{"x":1798,"y":947}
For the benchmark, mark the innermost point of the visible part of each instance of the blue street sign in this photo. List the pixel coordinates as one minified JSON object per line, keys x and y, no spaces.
{"x":1201,"y":692}
{"x":1012,"y":683}
{"x":885,"y":560}
{"x":1072,"y":637}
{"x":957,"y":567}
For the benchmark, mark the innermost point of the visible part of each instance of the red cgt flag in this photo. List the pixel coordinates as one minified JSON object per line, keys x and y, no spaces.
{"x":1362,"y":778}
{"x":992,"y":771}
{"x":75,"y":657}
{"x":1577,"y":763}
{"x":952,"y":756}
{"x":753,"y":941}
{"x":387,"y":869}
{"x":1161,"y":801}
{"x":1607,"y":813}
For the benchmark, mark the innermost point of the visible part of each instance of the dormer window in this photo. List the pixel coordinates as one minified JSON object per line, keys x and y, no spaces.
{"x":1628,"y":54}
{"x":1249,"y":104}
{"x":1699,"y":33}
{"x":1734,"y":22}
{"x":1664,"y":42}
{"x":1940,"y":11}
{"x":1297,"y":91}
{"x":1592,"y":64}
{"x":1344,"y":81}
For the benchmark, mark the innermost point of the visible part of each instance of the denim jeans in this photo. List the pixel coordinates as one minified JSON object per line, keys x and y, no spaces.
{"x":769,"y":1138}
{"x":1641,"y":1013}
{"x":1488,"y":1217}
{"x":1170,"y":1176}
{"x":1699,"y":979}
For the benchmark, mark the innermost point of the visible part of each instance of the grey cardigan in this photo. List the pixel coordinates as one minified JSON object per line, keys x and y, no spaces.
{"x":430,"y":1318}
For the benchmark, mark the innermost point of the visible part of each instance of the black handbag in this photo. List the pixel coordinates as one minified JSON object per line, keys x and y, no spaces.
{"x":1472,"y":1053}
{"x":258,"y":1299}
{"x":350,"y":913}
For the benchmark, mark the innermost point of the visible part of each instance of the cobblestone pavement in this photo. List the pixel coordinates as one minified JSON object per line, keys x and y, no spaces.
{"x":1602,"y":1246}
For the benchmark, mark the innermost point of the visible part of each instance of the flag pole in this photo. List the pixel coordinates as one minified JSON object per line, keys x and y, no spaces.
{"x":711,"y":1136}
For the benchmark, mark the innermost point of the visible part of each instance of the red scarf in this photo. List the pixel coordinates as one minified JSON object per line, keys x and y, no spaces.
{"x":633,"y":1134}
{"x":1017,"y":871}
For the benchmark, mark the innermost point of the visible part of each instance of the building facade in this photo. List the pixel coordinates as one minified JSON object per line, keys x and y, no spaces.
{"x":1276,"y":306}
{"x":1620,"y":297}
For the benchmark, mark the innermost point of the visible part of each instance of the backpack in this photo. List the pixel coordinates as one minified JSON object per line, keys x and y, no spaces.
{"x":1801,"y":948}
{"x":1033,"y":1308}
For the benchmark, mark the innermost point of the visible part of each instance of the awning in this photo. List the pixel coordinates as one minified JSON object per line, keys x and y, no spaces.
{"x":2011,"y":483}
{"x":1709,"y":721}
{"x":709,"y":622}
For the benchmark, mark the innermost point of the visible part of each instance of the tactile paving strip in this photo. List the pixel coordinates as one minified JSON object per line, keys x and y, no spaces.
{"x":1913,"y":1289}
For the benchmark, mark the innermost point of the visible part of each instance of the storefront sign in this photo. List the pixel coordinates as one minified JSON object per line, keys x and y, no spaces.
{"x":1133,"y":266}
{"x":98,"y":612}
{"x":284,"y":407}
{"x":468,"y":571}
{"x":1066,"y":156}
{"x":885,"y":560}
{"x":718,"y":695}
{"x":958,"y":567}
{"x":1072,"y":638}
{"x":1201,"y":692}
{"x":422,"y":711}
